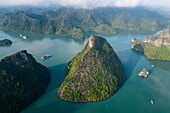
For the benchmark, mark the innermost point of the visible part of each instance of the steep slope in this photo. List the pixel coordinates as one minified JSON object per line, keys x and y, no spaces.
{"x":155,"y":47}
{"x":105,"y":29}
{"x":20,"y":22}
{"x":22,"y":81}
{"x":62,"y":21}
{"x":94,"y":74}
{"x":137,"y":18}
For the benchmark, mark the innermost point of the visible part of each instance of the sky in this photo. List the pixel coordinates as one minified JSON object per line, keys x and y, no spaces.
{"x":90,"y":3}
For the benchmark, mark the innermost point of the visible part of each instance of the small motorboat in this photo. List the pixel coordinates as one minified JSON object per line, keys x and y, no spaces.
{"x":46,"y":57}
{"x":20,"y":35}
{"x":153,"y":66}
{"x":152,"y":102}
{"x":24,"y":37}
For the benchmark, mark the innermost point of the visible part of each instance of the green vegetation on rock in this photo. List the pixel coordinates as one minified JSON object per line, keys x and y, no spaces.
{"x":94,"y":74}
{"x":104,"y":29}
{"x":77,"y":33}
{"x":155,"y":47}
{"x":63,"y":21}
{"x":155,"y":52}
{"x":22,"y":81}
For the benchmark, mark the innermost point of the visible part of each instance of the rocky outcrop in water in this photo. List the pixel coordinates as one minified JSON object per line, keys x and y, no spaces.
{"x":136,"y":45}
{"x":96,"y":73}
{"x":5,"y":42}
{"x":22,"y":81}
{"x":144,"y":73}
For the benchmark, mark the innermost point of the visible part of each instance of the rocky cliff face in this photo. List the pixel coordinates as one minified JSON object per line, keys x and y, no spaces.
{"x":22,"y":81}
{"x":155,"y":47}
{"x":163,"y":38}
{"x":96,"y":73}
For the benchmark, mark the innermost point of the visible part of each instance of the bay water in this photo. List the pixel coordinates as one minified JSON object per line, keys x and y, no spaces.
{"x":133,"y":97}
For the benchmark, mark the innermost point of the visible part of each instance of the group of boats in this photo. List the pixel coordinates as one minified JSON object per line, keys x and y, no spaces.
{"x":43,"y":57}
{"x":24,"y":37}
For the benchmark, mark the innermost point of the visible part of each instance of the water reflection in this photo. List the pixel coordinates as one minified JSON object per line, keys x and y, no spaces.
{"x":39,"y":37}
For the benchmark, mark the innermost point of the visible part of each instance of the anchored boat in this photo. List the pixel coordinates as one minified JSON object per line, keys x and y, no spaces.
{"x":152,"y":101}
{"x":24,"y":37}
{"x":46,"y":57}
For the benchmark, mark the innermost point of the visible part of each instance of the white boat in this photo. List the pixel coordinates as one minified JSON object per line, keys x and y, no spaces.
{"x":152,"y":102}
{"x":24,"y":37}
{"x":20,"y":35}
{"x":45,"y":57}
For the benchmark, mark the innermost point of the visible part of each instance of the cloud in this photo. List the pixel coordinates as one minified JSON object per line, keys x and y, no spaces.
{"x":20,"y":2}
{"x":89,"y":3}
{"x":127,"y":3}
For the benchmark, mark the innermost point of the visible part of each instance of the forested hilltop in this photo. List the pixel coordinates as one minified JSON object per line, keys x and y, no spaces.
{"x":75,"y":22}
{"x":96,"y":73}
{"x":22,"y":81}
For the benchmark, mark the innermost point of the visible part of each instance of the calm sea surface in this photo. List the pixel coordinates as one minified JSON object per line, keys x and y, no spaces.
{"x":133,"y":97}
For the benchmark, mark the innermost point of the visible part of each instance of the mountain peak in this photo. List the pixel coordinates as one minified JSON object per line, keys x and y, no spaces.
{"x":94,"y":74}
{"x":96,"y":42}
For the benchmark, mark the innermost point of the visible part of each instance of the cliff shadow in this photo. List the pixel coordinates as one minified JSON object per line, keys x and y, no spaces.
{"x":165,"y":65}
{"x":57,"y":74}
{"x":129,"y":59}
{"x":54,"y":104}
{"x":59,"y":106}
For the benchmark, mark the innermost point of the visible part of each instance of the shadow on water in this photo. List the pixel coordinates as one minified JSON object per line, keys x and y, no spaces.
{"x":59,"y":106}
{"x":54,"y":104}
{"x":129,"y":59}
{"x":57,"y":76}
{"x":165,"y":65}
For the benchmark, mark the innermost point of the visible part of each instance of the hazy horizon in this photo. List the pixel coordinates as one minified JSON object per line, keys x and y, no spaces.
{"x":89,"y":3}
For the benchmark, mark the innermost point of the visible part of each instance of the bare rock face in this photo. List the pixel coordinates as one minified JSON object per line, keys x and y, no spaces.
{"x":95,"y":42}
{"x":165,"y":33}
{"x":159,"y":42}
{"x":155,"y":47}
{"x":133,"y":40}
{"x":22,"y":81}
{"x":144,"y":73}
{"x":96,"y":73}
{"x":163,"y":38}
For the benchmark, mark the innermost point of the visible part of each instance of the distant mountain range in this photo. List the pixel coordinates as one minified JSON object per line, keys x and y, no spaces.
{"x":75,"y":22}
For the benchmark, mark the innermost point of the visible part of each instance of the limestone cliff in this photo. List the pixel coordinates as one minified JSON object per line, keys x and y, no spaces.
{"x":163,"y":38}
{"x":96,"y":73}
{"x":155,"y":47}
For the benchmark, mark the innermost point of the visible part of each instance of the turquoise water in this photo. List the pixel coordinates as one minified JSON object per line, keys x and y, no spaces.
{"x":133,"y":97}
